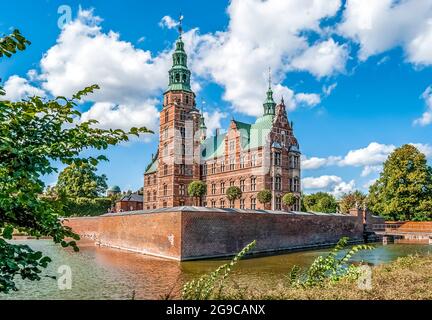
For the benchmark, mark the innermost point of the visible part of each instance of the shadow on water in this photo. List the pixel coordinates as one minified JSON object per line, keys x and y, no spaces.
{"x":105,"y":273}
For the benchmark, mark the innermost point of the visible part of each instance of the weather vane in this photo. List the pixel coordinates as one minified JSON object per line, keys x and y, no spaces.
{"x":180,"y":28}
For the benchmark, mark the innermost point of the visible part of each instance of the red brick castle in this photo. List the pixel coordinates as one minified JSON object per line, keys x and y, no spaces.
{"x":253,"y":157}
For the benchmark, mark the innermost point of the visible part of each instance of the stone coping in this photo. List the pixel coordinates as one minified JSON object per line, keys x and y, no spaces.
{"x":212,"y":210}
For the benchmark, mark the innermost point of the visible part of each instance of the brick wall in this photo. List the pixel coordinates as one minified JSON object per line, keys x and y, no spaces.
{"x":186,"y":235}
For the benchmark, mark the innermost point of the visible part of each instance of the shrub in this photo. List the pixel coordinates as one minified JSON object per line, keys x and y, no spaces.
{"x":233,"y":193}
{"x":86,"y":206}
{"x":264,"y":196}
{"x":289,"y":199}
{"x":197,"y":189}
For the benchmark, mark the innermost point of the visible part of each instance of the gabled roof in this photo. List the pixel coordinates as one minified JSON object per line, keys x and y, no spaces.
{"x":252,"y":136}
{"x":132,"y":197}
{"x":153,"y":166}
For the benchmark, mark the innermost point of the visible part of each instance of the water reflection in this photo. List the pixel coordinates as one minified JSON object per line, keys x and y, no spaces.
{"x":104,"y":273}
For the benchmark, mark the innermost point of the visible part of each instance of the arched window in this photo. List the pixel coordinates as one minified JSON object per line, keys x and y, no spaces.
{"x":154,"y":195}
{"x":184,"y":78}
{"x":187,"y":99}
{"x":165,"y":170}
{"x":165,"y":189}
{"x":177,"y":77}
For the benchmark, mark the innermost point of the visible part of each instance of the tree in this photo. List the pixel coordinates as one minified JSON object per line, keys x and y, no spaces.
{"x":404,"y":188}
{"x":350,"y":200}
{"x":320,"y":202}
{"x":197,"y":189}
{"x":81,"y":181}
{"x":264,"y":196}
{"x":35,"y":134}
{"x":289,"y":199}
{"x":233,"y":193}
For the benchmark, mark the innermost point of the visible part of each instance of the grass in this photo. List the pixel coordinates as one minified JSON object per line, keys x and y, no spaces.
{"x":407,"y":278}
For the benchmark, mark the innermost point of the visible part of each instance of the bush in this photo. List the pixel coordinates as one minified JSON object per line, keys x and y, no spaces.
{"x":86,"y":206}
{"x":197,"y":189}
{"x":233,"y":193}
{"x":289,"y":199}
{"x":264,"y":196}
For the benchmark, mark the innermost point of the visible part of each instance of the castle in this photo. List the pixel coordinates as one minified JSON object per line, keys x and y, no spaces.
{"x":253,"y":157}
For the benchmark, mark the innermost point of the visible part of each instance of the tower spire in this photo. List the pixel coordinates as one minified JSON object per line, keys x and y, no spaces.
{"x":269,"y":104}
{"x":180,"y":27}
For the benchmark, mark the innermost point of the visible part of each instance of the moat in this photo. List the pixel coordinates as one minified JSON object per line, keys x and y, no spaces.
{"x":104,"y":273}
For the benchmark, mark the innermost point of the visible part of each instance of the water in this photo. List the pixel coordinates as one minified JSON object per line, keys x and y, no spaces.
{"x":104,"y":273}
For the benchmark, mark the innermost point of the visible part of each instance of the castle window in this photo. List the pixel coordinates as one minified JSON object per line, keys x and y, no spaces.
{"x":232,"y":183}
{"x":154,"y":195}
{"x":181,"y":203}
{"x":254,"y":160}
{"x":297,"y":184}
{"x":222,"y":203}
{"x":154,"y":206}
{"x":222,"y":166}
{"x":204,"y":169}
{"x":184,"y":79}
{"x":164,"y":204}
{"x":278,"y":203}
{"x":242,"y":203}
{"x":213,"y":203}
{"x":183,"y":149}
{"x":253,"y":184}
{"x":222,"y":187}
{"x":213,"y":188}
{"x":166,"y":116}
{"x":165,"y":169}
{"x":182,"y":189}
{"x":277,"y":158}
{"x":278,"y":183}
{"x":231,"y":203}
{"x":166,"y":100}
{"x":165,"y":133}
{"x":182,"y":115}
{"x":165,"y":189}
{"x":148,"y":196}
{"x":242,"y":185}
{"x":242,"y":161}
{"x":187,"y":99}
{"x":232,"y":146}
{"x":182,"y":132}
{"x":182,"y":169}
{"x":165,"y":149}
{"x":253,"y":203}
{"x":232,"y":163}
{"x":213,"y":167}
{"x":177,"y":77}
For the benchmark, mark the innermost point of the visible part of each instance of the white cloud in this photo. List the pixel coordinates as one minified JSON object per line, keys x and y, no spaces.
{"x":123,"y":116}
{"x":382,"y":25}
{"x":424,"y":148}
{"x":426,"y":118}
{"x":168,"y":22}
{"x":374,"y":154}
{"x":323,"y":59}
{"x":264,"y":34}
{"x":327,"y":90}
{"x":328,"y":183}
{"x":18,"y":88}
{"x":310,"y":99}
{"x":213,"y":121}
{"x":368,"y":170}
{"x":316,"y":163}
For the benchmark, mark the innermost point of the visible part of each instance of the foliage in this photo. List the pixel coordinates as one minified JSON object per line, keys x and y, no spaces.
{"x":19,"y":260}
{"x":34,"y":134}
{"x":86,"y":206}
{"x":328,"y":268}
{"x":350,"y":200}
{"x":197,"y":189}
{"x":80,"y":181}
{"x":320,"y":202}
{"x":404,"y":188}
{"x":289,"y":199}
{"x":233,"y":193}
{"x":264,"y":196}
{"x":210,"y":285}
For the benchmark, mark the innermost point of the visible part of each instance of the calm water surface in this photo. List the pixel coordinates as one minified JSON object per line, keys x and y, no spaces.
{"x":104,"y":273}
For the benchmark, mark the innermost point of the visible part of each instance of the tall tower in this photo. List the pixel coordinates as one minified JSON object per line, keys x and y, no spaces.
{"x":269,"y":104}
{"x":178,"y":142}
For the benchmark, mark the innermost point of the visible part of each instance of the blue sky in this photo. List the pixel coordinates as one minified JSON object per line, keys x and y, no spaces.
{"x":354,"y":74}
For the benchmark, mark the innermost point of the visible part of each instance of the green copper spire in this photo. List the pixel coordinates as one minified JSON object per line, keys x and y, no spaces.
{"x":269,"y":104}
{"x":202,"y":122}
{"x":179,"y":74}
